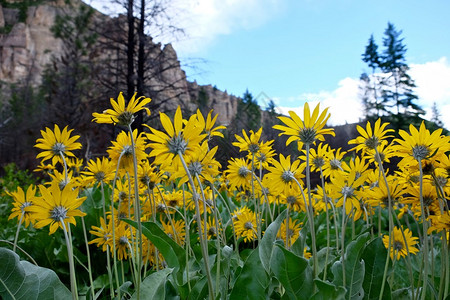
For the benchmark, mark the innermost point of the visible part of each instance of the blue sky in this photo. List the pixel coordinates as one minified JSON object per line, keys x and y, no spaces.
{"x":299,"y":50}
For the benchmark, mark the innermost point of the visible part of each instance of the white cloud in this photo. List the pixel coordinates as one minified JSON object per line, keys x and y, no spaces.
{"x":205,"y":20}
{"x":344,"y":104}
{"x":433,"y":85}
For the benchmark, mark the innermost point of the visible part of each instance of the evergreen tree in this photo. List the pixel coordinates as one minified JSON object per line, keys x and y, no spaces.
{"x":398,"y":86}
{"x":436,"y":116}
{"x":389,"y":91}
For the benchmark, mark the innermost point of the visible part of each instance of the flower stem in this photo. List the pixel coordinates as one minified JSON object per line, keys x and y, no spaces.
{"x":73,"y":280}
{"x":18,"y":230}
{"x":91,"y":282}
{"x":203,"y":243}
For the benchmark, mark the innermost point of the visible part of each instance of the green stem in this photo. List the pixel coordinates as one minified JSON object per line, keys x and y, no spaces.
{"x":203,"y":243}
{"x":73,"y":280}
{"x":91,"y":282}
{"x":425,"y":234}
{"x":137,"y":204}
{"x":18,"y":230}
{"x":313,"y":232}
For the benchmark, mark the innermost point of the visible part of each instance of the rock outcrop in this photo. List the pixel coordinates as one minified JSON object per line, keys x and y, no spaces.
{"x":26,"y":47}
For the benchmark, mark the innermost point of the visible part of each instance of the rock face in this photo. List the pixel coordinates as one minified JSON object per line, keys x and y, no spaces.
{"x":28,"y":46}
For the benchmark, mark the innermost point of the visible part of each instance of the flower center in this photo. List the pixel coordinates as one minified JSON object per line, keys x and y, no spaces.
{"x":335,"y":164}
{"x":318,"y":162}
{"x":371,"y":142}
{"x":291,"y":200}
{"x":287,"y":176}
{"x":261,"y":157}
{"x":248,"y":225}
{"x":397,"y":245}
{"x":99,"y":176}
{"x":212,"y":231}
{"x":243,"y":171}
{"x":253,"y":148}
{"x":25,"y":204}
{"x":441,"y":181}
{"x":347,"y":191}
{"x":420,"y":152}
{"x":59,"y":212}
{"x":177,"y":144}
{"x":58,"y":148}
{"x":195,"y":168}
{"x":127,"y":150}
{"x":125,"y":118}
{"x":307,"y":135}
{"x":123,"y":240}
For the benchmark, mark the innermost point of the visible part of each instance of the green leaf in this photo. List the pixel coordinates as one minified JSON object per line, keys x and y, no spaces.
{"x":294,"y":273}
{"x":172,"y":252}
{"x":374,"y":256}
{"x":23,"y":280}
{"x":252,"y":281}
{"x":354,"y":269}
{"x":327,"y":290}
{"x":267,"y":242}
{"x":153,"y":286}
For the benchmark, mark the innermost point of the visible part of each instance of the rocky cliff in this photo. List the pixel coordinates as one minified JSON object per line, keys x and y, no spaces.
{"x":27,"y":45}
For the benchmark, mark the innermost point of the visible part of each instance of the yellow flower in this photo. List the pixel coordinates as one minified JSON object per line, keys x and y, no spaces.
{"x":264,"y":156}
{"x":57,"y":206}
{"x":293,"y":231}
{"x":334,"y":165}
{"x":98,"y":171}
{"x":180,"y":138}
{"x":347,"y":186}
{"x":238,"y":173}
{"x":371,"y":139}
{"x":378,"y":195}
{"x":103,"y":234}
{"x":122,"y":148}
{"x":385,"y":151}
{"x":202,"y":164}
{"x":400,"y":246}
{"x":120,"y":114}
{"x":21,"y":201}
{"x":283,"y":173}
{"x":175,"y":230}
{"x":308,"y":130}
{"x":306,"y":254}
{"x":244,"y":221}
{"x":440,"y":222}
{"x":123,"y":237}
{"x":246,"y":143}
{"x":294,"y":198}
{"x":430,"y":199}
{"x":208,"y":125}
{"x":317,"y":158}
{"x":57,"y":143}
{"x":211,"y":230}
{"x":148,"y":176}
{"x":420,"y":144}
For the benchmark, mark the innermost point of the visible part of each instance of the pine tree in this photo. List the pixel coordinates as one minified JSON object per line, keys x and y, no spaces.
{"x":398,"y":86}
{"x":389,"y":90}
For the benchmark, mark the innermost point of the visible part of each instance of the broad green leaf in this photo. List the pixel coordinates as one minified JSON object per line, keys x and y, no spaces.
{"x":294,"y":273}
{"x":267,"y":242}
{"x":322,"y":257}
{"x":354,"y":269}
{"x":374,"y":256}
{"x":253,"y":281}
{"x":199,"y":290}
{"x":327,"y":290}
{"x":23,"y":280}
{"x":153,"y":286}
{"x":172,"y":252}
